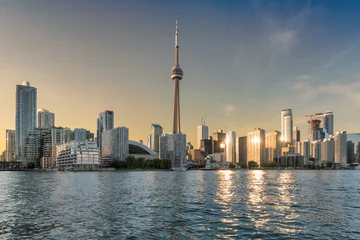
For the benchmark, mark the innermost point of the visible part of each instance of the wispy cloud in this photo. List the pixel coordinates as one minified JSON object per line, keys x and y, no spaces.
{"x":339,"y":56}
{"x":229,"y":109}
{"x":349,"y":90}
{"x":303,"y":77}
{"x":282,"y":34}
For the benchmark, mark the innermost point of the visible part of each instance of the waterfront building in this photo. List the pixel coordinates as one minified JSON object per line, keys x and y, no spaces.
{"x":173,"y":147}
{"x":231,"y":147}
{"x":272,"y":145}
{"x":120,"y":143}
{"x":305,"y":150}
{"x":256,"y":146}
{"x":78,"y":156}
{"x":328,"y":122}
{"x":10,"y":145}
{"x":106,"y":144}
{"x":202,"y":133}
{"x":26,"y":98}
{"x":327,"y":150}
{"x":46,"y":119}
{"x":287,"y":125}
{"x":315,"y":150}
{"x":105,"y":122}
{"x":241,"y":150}
{"x":195,"y":155}
{"x":37,"y":144}
{"x":355,"y":139}
{"x":137,"y":150}
{"x":350,"y":152}
{"x":156,"y":132}
{"x":219,"y":157}
{"x":340,"y":156}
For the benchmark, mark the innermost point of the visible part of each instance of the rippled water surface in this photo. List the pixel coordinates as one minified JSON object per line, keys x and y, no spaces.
{"x":180,"y":205}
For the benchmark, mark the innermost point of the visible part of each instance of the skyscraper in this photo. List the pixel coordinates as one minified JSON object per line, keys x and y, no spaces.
{"x":176,"y":75}
{"x":119,"y":143}
{"x":10,"y":145}
{"x":286,"y":125}
{"x":156,"y":132}
{"x":231,"y":147}
{"x":202,"y":133}
{"x":148,"y":141}
{"x":241,"y":151}
{"x":328,"y":122}
{"x":25,"y":115}
{"x":173,"y":146}
{"x":272,"y":145}
{"x":46,"y":119}
{"x":219,"y":138}
{"x":104,"y":122}
{"x":296,"y":134}
{"x":340,"y":155}
{"x":256,"y":146}
{"x":327,"y":150}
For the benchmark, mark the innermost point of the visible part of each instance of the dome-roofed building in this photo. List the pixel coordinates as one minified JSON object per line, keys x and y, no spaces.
{"x":138,"y":149}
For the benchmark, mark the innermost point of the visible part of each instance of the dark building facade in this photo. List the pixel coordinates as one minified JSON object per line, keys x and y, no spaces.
{"x":241,"y":150}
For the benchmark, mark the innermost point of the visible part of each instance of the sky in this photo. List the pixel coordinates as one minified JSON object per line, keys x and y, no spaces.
{"x":243,"y":62}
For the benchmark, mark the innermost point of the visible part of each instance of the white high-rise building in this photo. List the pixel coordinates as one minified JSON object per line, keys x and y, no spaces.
{"x":104,"y":122}
{"x":231,"y":147}
{"x":156,"y":132}
{"x":256,"y":146}
{"x":26,"y":98}
{"x":327,"y":150}
{"x":305,"y":150}
{"x":119,"y":143}
{"x":287,"y":125}
{"x":328,"y":122}
{"x":10,"y":145}
{"x":46,"y":119}
{"x":315,"y":150}
{"x":340,"y":148}
{"x":202,"y":133}
{"x":148,"y":141}
{"x":173,"y":147}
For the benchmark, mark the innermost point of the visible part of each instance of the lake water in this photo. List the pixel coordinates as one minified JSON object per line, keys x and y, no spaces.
{"x":180,"y":205}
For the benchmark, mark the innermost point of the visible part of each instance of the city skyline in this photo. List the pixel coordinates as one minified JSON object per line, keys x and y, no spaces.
{"x":100,"y":71}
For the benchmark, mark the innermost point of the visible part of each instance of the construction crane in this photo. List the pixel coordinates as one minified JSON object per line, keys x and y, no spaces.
{"x":314,"y":123}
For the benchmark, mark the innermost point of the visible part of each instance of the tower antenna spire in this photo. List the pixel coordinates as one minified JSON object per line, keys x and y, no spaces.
{"x":176,"y":74}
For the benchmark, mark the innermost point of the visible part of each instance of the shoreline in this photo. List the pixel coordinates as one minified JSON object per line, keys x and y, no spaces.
{"x":163,"y":170}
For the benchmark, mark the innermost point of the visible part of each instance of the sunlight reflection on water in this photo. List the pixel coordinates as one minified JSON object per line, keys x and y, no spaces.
{"x":180,"y":205}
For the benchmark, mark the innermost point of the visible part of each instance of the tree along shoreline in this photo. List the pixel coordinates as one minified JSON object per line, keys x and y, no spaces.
{"x":132,"y":163}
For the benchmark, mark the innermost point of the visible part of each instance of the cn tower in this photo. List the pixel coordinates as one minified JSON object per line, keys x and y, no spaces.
{"x":176,"y":75}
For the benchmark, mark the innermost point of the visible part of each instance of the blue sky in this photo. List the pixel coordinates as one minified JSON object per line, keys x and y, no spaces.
{"x":243,"y":62}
